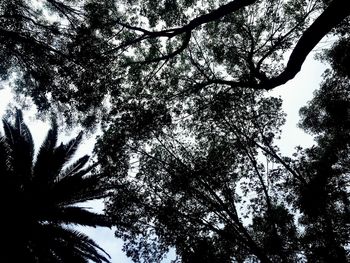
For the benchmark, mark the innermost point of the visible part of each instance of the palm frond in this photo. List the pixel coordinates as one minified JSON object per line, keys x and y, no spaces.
{"x":41,"y":198}
{"x":63,"y":154}
{"x":24,"y":131}
{"x":88,"y":248}
{"x":18,"y":120}
{"x":75,"y":167}
{"x":43,"y":166}
{"x":54,"y":243}
{"x":21,"y":147}
{"x":76,"y":189}
{"x":5,"y":158}
{"x":9,"y":132}
{"x":78,"y":216}
{"x":75,"y":243}
{"x":70,"y":148}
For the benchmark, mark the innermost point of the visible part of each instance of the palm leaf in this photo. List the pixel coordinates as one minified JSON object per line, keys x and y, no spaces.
{"x":78,"y":216}
{"x":75,"y":243}
{"x":72,"y":146}
{"x":38,"y":198}
{"x":5,"y":158}
{"x":76,"y":189}
{"x":9,"y":132}
{"x":21,"y":147}
{"x":76,"y":167}
{"x":64,"y":152}
{"x":54,"y":243}
{"x":87,"y":247}
{"x":19,"y":120}
{"x":43,"y":169}
{"x":25,"y":133}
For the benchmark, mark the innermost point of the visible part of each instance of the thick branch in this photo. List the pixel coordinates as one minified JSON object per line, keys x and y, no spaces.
{"x":335,"y":13}
{"x":214,"y":15}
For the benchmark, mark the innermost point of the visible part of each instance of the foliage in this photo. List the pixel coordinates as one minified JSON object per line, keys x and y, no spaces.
{"x":192,"y":180}
{"x":77,"y":57}
{"x":178,"y":87}
{"x":40,"y":199}
{"x":326,"y":216}
{"x":199,"y":183}
{"x":51,"y":49}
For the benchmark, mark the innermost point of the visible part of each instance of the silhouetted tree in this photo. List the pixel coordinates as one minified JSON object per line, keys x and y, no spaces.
{"x":74,"y":55}
{"x":179,"y":87}
{"x":40,"y":200}
{"x":249,"y":34}
{"x":324,"y":198}
{"x":199,"y":185}
{"x":54,"y":54}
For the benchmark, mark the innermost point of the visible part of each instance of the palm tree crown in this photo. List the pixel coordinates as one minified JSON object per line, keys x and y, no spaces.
{"x":39,"y":199}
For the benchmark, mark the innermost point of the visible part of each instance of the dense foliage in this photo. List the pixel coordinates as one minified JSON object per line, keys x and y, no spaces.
{"x":324,"y":198}
{"x":40,"y":199}
{"x":76,"y":57}
{"x":189,"y":133}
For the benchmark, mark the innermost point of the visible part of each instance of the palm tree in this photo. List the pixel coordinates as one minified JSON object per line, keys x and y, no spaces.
{"x":40,"y":199}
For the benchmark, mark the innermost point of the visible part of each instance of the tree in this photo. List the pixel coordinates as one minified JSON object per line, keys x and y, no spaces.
{"x":48,"y":48}
{"x":262,"y":37}
{"x":179,"y":88}
{"x":101,"y":50}
{"x":198,"y":185}
{"x":324,"y":199}
{"x":40,"y":200}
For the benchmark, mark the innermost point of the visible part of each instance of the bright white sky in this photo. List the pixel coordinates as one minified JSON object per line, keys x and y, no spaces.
{"x":295,"y":94}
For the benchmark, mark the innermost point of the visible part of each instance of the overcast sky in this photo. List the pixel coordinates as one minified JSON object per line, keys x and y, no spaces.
{"x":295,"y":94}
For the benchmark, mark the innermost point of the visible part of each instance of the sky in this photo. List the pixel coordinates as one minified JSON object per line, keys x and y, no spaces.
{"x":295,"y":94}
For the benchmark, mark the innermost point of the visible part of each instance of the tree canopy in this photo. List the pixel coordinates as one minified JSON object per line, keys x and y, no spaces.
{"x":189,"y":132}
{"x":75,"y":56}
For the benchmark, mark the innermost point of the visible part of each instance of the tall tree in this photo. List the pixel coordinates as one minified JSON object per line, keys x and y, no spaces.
{"x":324,"y":199}
{"x":245,"y":33}
{"x":51,"y":49}
{"x":199,"y":185}
{"x":77,"y":54}
{"x":179,"y":88}
{"x":41,"y":199}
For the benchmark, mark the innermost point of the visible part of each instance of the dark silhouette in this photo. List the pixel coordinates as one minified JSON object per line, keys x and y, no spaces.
{"x":73,"y":63}
{"x":201,"y":188}
{"x":189,"y":135}
{"x":324,"y":198}
{"x":39,"y":199}
{"x":192,"y":194}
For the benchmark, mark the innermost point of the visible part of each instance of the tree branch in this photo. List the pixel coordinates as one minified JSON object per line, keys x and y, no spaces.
{"x":214,"y":15}
{"x":335,"y":13}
